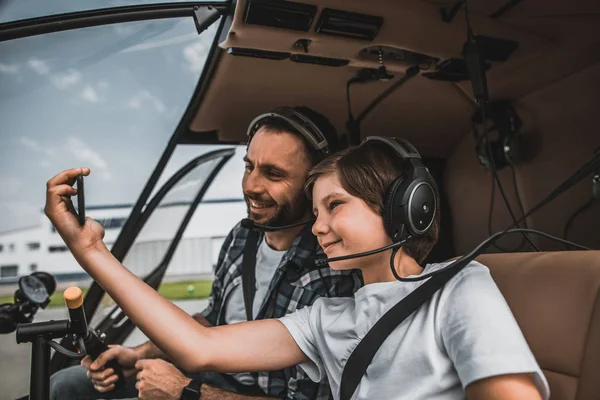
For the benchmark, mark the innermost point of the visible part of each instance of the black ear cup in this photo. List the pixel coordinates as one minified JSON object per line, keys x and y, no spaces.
{"x":388,"y":208}
{"x":503,"y":152}
{"x":411,"y":201}
{"x":421,"y":208}
{"x":410,"y":208}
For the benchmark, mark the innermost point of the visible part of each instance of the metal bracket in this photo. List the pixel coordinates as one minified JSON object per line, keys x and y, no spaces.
{"x":303,"y":44}
{"x":205,"y":17}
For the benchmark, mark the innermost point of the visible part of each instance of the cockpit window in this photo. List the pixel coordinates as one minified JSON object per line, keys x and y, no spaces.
{"x":107,"y":97}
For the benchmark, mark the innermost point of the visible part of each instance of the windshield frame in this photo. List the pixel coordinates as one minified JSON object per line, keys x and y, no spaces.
{"x":104,"y":16}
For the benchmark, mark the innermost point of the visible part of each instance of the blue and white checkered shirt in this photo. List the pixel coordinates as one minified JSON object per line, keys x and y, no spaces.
{"x":297,"y":282}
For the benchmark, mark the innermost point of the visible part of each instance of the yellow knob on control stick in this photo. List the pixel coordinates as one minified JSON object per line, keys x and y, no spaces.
{"x":73,"y":297}
{"x":74,"y":301}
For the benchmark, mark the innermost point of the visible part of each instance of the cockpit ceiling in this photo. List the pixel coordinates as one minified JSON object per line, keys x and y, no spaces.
{"x":555,"y":39}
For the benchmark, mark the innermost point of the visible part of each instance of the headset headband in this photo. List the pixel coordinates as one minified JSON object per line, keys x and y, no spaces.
{"x":411,"y":202}
{"x":406,"y":151}
{"x":299,"y":122}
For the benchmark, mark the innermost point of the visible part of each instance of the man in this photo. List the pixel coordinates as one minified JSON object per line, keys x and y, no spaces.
{"x":282,"y":147}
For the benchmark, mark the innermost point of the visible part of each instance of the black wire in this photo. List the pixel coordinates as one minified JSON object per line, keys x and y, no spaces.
{"x":490,"y":231}
{"x":350,"y":115}
{"x":572,"y":218}
{"x":477,"y":250}
{"x":352,"y":126}
{"x":469,"y":30}
{"x":495,"y":173}
{"x":589,"y":167}
{"x":519,"y":202}
{"x":410,"y":72}
{"x":481,"y":104}
{"x":371,"y":252}
{"x":65,"y":352}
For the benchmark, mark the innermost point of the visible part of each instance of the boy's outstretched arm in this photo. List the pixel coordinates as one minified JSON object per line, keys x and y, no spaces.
{"x":245,"y":347}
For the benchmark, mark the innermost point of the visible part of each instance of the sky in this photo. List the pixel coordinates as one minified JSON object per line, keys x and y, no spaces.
{"x":106,"y":97}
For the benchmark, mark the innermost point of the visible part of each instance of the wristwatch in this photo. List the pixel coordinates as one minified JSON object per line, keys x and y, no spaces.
{"x":192,"y":390}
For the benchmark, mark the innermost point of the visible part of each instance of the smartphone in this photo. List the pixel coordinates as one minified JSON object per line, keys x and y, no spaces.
{"x":80,"y":200}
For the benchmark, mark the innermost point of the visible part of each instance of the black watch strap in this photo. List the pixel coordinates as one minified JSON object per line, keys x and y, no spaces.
{"x":192,"y":390}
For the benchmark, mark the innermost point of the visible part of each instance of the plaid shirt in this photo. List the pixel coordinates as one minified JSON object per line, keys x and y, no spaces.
{"x":297,"y":282}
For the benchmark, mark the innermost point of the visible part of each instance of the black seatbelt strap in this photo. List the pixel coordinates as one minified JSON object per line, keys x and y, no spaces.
{"x":363,"y":354}
{"x":249,"y":271}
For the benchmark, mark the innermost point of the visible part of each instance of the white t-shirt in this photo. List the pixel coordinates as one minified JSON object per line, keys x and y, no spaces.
{"x":267,"y":261}
{"x":466,"y":332}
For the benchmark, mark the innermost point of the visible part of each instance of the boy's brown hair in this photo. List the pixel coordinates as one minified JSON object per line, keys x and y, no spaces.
{"x":367,"y":172}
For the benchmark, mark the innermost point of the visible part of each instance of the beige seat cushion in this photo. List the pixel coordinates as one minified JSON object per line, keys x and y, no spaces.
{"x":554,"y":297}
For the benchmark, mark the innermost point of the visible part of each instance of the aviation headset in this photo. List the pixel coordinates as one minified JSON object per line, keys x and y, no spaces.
{"x":411,"y":201}
{"x":510,"y":147}
{"x":297,"y":120}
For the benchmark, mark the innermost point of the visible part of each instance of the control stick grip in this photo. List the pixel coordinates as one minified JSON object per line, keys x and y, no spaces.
{"x":94,"y":346}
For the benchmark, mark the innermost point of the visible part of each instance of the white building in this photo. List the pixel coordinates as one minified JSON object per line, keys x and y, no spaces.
{"x":40,"y":248}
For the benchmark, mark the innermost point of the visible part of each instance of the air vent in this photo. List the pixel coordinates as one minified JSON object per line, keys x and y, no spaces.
{"x":346,"y":24}
{"x":280,"y":14}
{"x":330,"y":62}
{"x":257,"y":53}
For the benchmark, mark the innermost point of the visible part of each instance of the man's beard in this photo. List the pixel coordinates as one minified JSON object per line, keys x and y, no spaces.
{"x":285,"y":214}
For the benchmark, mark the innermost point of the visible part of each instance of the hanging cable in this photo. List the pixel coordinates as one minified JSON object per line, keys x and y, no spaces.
{"x":595,"y":196}
{"x":474,"y":63}
{"x":477,"y":251}
{"x":497,"y":179}
{"x":410,"y":72}
{"x":572,"y":218}
{"x":65,"y":352}
{"x":352,"y":127}
{"x":577,"y":176}
{"x":490,"y":230}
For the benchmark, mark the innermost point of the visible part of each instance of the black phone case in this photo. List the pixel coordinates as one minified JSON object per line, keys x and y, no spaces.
{"x":80,"y":200}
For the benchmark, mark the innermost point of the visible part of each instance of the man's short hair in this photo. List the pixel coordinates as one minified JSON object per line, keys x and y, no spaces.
{"x":326,"y":128}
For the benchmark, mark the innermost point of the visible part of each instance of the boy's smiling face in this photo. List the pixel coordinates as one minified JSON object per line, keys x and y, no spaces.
{"x":345,"y":224}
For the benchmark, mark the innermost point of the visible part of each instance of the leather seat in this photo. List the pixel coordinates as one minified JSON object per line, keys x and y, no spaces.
{"x":555,"y":298}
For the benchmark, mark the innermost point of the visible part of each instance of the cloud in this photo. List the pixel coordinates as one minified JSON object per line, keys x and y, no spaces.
{"x":10,"y":186}
{"x":88,"y":156}
{"x":39,"y":66}
{"x":125,"y":29}
{"x":195,"y":55}
{"x":143,"y":98}
{"x":19,"y":214}
{"x":161,"y":43}
{"x":9,"y":69}
{"x":35,"y":146}
{"x":67,"y":79}
{"x":90,"y":94}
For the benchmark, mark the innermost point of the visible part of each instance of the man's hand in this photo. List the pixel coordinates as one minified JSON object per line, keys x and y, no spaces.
{"x":59,"y":209}
{"x":159,"y":380}
{"x":104,"y":379}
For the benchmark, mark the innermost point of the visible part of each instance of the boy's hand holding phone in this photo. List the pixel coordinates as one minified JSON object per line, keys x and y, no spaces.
{"x":80,"y":200}
{"x":79,"y":236}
